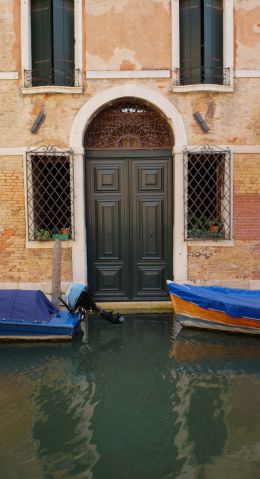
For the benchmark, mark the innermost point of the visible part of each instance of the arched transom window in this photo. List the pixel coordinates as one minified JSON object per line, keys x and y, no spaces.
{"x":128,"y":124}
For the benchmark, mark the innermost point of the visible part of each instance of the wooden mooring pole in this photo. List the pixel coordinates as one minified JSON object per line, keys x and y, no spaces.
{"x":56,"y":273}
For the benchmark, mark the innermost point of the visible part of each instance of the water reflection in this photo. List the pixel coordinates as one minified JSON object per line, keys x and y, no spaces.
{"x":194,"y":346}
{"x":217,"y":396}
{"x":132,"y":422}
{"x":47,"y":399}
{"x":141,"y":400}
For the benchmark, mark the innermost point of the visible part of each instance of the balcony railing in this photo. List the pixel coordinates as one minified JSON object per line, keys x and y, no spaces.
{"x":202,"y":75}
{"x":52,"y":76}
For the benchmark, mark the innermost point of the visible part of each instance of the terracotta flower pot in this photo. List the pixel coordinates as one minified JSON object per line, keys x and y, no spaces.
{"x":214,"y":229}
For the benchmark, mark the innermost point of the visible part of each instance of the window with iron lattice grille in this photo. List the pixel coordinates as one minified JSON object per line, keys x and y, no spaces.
{"x":49,"y":194}
{"x":207,"y":186}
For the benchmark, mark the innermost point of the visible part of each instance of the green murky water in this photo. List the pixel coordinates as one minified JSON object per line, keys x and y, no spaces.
{"x":136,"y":401}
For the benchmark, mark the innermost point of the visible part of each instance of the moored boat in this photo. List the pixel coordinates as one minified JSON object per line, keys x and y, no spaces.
{"x":216,"y":307}
{"x":29,"y":315}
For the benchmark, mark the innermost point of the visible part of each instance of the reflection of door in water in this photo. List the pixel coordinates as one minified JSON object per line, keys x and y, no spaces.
{"x":129,"y":224}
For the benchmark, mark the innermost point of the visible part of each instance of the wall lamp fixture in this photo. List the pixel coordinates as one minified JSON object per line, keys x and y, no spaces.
{"x":203,"y":125}
{"x":39,"y":120}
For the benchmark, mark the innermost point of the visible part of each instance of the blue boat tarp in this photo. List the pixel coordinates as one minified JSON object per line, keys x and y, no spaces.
{"x":26,"y":306}
{"x":74,"y":293}
{"x":234,"y":302}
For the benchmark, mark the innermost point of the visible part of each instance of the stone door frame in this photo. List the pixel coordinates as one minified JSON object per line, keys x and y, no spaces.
{"x":79,"y":126}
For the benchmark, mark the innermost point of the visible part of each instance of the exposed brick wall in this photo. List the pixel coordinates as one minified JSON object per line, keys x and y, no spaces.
{"x":239,"y":262}
{"x":246,"y":174}
{"x":246,"y":210}
{"x":18,"y":263}
{"x":247,"y":217}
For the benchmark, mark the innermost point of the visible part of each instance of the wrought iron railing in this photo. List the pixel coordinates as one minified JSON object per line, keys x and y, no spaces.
{"x":52,"y":76}
{"x":207,"y":193}
{"x":50,"y":196}
{"x":202,"y":75}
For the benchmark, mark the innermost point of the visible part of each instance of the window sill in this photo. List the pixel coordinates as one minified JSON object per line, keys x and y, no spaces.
{"x":213,"y":243}
{"x":203,"y":87}
{"x":47,"y":244}
{"x":51,"y":89}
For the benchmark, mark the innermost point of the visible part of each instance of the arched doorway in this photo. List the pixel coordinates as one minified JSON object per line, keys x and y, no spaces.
{"x":128,"y":150}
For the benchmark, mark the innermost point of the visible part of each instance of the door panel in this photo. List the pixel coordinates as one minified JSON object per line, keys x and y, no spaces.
{"x":150,"y":178}
{"x":107,"y":178}
{"x":107,"y":234}
{"x":129,"y":226}
{"x":107,"y":228}
{"x":152,"y":240}
{"x":149,"y":234}
{"x":150,"y":282}
{"x":109,"y":279}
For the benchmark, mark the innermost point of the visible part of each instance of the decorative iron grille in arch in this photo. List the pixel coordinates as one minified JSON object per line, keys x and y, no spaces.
{"x":128,"y":124}
{"x":207,"y":193}
{"x":50,"y":205}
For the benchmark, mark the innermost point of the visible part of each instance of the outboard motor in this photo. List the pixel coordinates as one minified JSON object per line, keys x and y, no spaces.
{"x":79,"y":298}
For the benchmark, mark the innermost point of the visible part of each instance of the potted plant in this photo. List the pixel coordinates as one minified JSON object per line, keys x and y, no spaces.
{"x":216,"y":228}
{"x":197,"y":227}
{"x":42,"y":235}
{"x":65,"y":231}
{"x":62,"y":234}
{"x":194,"y":232}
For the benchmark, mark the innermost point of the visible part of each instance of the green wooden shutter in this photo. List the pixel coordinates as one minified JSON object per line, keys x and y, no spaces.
{"x":190,"y":41}
{"x":63,"y":42}
{"x":41,"y":41}
{"x":213,"y":41}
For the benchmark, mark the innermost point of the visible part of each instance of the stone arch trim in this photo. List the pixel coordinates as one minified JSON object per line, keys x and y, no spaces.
{"x":155,"y":98}
{"x":79,"y":126}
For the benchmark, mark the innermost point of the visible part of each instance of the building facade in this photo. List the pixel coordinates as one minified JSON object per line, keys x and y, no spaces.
{"x":130,"y":129}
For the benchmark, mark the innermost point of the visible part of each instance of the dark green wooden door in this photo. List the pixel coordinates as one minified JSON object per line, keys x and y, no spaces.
{"x":129,"y":224}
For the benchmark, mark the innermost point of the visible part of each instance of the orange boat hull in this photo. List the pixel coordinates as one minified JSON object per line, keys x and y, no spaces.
{"x":191,"y":315}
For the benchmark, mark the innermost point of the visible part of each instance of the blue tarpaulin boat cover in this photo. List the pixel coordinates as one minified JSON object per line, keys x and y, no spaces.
{"x":25,"y":306}
{"x":234,"y":302}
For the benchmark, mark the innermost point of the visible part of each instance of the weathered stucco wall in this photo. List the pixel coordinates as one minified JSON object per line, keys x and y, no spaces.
{"x":233,"y":118}
{"x":132,"y":34}
{"x":143,"y":27}
{"x":9,"y":35}
{"x":247,"y":34}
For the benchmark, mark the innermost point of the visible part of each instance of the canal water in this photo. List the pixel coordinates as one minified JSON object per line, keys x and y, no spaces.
{"x":140,"y":400}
